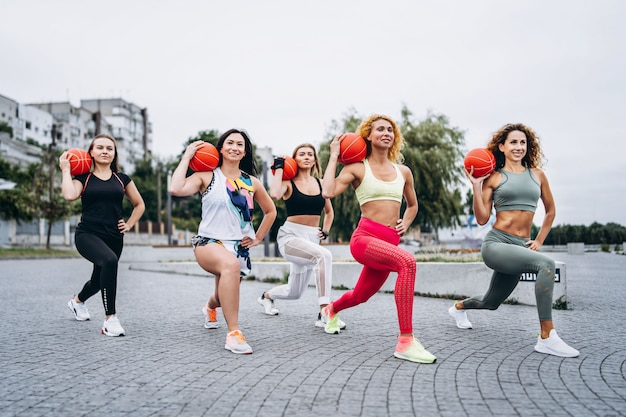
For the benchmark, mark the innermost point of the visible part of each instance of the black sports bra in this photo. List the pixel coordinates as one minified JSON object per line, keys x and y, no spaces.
{"x":300,"y":204}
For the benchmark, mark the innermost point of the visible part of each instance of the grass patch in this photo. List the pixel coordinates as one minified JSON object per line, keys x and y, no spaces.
{"x":560,"y":304}
{"x":449,"y":255}
{"x":34,"y":253}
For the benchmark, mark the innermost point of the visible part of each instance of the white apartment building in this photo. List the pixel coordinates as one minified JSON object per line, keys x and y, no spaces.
{"x":34,"y":126}
{"x":8,"y":110}
{"x":75,"y":127}
{"x":129,"y":126}
{"x":17,"y":148}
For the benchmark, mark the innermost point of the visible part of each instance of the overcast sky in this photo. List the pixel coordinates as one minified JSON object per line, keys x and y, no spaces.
{"x":283,"y":70}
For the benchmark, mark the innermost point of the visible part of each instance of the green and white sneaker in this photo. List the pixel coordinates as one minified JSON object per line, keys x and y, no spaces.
{"x":333,"y":323}
{"x":410,"y":349}
{"x":322,"y":319}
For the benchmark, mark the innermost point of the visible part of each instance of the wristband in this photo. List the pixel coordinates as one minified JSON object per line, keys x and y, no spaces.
{"x":278,"y":163}
{"x":324,"y":234}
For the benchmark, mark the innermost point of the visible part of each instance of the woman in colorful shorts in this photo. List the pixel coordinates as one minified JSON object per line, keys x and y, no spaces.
{"x":225,"y":233}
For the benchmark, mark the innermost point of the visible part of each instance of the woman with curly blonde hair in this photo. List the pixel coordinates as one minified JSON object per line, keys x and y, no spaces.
{"x":380,"y":183}
{"x":514,"y":189}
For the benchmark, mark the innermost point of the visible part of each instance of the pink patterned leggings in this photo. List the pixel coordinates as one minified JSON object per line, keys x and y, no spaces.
{"x":375,"y":246}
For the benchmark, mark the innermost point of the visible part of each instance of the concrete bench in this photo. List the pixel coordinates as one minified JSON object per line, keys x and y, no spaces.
{"x":454,"y":279}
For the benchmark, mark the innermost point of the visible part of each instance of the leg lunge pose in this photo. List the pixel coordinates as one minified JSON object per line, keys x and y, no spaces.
{"x":299,"y":237}
{"x":514,"y":190}
{"x":225,"y":233}
{"x":380,"y":183}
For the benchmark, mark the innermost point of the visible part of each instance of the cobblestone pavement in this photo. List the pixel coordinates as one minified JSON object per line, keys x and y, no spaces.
{"x":169,"y":365}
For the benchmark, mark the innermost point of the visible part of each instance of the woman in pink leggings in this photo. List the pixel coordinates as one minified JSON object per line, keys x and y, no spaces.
{"x":380,"y":182}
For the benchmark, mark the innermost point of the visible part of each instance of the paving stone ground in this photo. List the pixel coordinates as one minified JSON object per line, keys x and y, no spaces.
{"x":169,"y":365}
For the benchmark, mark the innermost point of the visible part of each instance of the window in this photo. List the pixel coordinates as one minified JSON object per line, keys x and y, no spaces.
{"x":28,"y":125}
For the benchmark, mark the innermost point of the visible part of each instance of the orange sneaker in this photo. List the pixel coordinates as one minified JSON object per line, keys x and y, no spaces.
{"x":210,"y":317}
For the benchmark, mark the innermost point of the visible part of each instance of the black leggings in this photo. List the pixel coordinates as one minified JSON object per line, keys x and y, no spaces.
{"x":104,"y":253}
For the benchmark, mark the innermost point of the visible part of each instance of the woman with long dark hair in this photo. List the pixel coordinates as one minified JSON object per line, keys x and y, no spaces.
{"x":225,"y":233}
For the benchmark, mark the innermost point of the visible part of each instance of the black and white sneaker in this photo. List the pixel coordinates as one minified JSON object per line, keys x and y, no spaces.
{"x":79,"y":309}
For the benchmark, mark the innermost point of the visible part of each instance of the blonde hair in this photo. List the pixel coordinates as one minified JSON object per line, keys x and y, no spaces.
{"x":365,"y":129}
{"x":316,"y":170}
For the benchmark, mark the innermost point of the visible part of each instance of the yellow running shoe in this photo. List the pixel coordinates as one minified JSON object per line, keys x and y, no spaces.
{"x":410,"y":349}
{"x":332,"y":323}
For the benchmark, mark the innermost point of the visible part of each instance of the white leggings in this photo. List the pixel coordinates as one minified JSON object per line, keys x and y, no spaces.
{"x":299,"y":244}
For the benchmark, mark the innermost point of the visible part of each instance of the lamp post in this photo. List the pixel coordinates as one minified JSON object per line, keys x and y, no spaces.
{"x":169,"y":209}
{"x":266,"y":239}
{"x":51,"y":160}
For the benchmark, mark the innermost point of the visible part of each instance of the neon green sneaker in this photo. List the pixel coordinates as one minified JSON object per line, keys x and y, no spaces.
{"x":410,"y":349}
{"x":332,"y":325}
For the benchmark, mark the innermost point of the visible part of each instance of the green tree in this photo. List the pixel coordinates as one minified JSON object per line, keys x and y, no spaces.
{"x":16,"y":204}
{"x":37,"y":193}
{"x":46,"y":194}
{"x":434,"y":153}
{"x":186,"y":211}
{"x":347,"y":211}
{"x":146,"y":179}
{"x":5,"y":127}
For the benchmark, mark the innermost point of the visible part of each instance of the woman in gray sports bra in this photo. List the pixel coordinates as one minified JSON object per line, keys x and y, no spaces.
{"x":513,"y":190}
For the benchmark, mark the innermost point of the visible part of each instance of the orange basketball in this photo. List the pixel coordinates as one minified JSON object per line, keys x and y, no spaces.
{"x":482,"y":160}
{"x":80,"y":161}
{"x":352,"y":148}
{"x":206,"y":158}
{"x":290,"y":170}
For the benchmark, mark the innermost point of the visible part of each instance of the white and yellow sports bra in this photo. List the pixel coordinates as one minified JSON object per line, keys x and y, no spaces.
{"x":371,"y":188}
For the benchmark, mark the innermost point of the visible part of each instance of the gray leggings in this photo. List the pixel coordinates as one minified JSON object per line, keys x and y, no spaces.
{"x":509,"y":257}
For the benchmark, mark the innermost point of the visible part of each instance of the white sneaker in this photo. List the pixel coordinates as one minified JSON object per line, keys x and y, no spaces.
{"x":461,"y":318}
{"x":322,"y":320}
{"x":236,"y":343}
{"x":79,"y":309}
{"x":554,"y":345}
{"x":112,"y":327}
{"x":210,"y":318}
{"x":268,"y":305}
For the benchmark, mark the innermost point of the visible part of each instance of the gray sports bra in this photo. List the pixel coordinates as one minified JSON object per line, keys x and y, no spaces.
{"x":517,"y":192}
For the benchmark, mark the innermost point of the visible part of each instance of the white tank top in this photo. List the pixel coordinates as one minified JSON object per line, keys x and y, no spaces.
{"x":227,"y":208}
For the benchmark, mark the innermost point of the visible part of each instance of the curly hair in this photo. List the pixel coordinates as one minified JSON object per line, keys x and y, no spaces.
{"x":316,"y":170}
{"x":365,"y":129}
{"x":534,"y":156}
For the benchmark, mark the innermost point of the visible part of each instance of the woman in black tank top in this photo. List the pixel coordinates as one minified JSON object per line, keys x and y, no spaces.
{"x":299,"y":237}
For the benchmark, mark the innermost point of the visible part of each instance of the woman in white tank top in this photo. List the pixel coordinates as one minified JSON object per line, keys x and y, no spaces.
{"x":227,"y":201}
